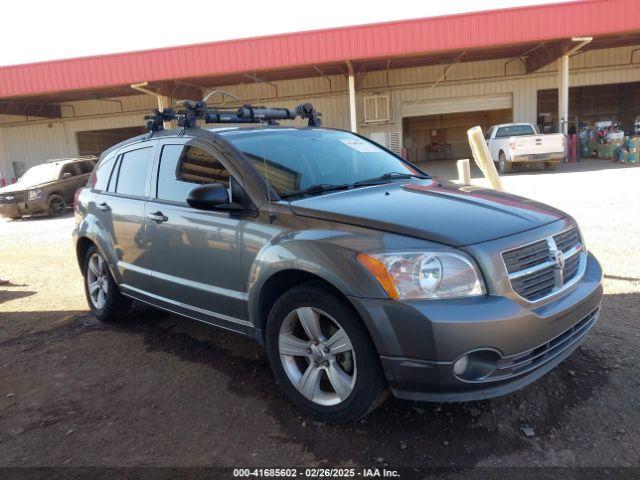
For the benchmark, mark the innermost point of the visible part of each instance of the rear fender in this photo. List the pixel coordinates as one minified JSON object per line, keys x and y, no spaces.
{"x":92,"y":229}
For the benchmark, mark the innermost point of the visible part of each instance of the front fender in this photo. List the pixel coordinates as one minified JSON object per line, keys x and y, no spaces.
{"x":328,"y":255}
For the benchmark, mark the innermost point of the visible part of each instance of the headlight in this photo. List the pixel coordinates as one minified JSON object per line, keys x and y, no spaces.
{"x":35,"y":194}
{"x":413,"y":275}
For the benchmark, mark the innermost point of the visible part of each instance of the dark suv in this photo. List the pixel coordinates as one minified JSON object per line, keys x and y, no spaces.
{"x":357,"y":271}
{"x":46,"y":188}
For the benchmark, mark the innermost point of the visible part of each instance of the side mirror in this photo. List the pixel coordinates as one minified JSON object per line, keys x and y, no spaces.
{"x":213,"y":196}
{"x":66,"y":175}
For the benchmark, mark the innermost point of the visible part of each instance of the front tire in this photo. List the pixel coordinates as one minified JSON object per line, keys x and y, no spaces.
{"x":505,"y":167}
{"x":322,"y":356}
{"x":57,"y":205}
{"x":106,"y":302}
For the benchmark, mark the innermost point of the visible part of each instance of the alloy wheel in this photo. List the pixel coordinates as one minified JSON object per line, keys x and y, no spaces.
{"x":56,"y":205}
{"x":97,"y":281}
{"x":317,"y":356}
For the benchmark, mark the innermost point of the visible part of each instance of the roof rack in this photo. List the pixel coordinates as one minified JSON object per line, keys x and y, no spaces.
{"x":78,"y":157}
{"x":192,"y":111}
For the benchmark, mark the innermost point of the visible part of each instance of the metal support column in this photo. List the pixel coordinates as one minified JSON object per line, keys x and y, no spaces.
{"x":563,"y":94}
{"x":352,"y":99}
{"x":163,"y":101}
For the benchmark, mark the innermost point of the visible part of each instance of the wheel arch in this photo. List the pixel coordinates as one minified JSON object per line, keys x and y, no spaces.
{"x":82,"y":247}
{"x":57,"y":192}
{"x":279,"y":283}
{"x":90,"y":231}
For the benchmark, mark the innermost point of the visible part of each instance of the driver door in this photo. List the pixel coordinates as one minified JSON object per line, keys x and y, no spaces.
{"x":196,"y":254}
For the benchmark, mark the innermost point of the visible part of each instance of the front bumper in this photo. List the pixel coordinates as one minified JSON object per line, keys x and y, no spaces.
{"x":420,"y":341}
{"x":28,"y":207}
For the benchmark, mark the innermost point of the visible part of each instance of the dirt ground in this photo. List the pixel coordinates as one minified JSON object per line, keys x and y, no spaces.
{"x":159,"y":390}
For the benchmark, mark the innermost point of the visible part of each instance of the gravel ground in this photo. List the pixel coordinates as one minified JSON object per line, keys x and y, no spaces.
{"x":159,"y":390}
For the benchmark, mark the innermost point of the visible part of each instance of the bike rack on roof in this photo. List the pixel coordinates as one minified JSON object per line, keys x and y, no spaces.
{"x":192,"y":111}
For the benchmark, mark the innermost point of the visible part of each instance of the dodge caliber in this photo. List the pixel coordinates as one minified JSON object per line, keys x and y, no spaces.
{"x":358,"y":272}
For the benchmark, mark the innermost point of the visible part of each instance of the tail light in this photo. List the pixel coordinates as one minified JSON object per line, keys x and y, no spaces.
{"x":93,"y":178}
{"x":75,"y":198}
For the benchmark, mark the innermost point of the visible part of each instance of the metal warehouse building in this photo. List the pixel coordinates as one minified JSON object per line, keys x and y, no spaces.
{"x":408,"y":84}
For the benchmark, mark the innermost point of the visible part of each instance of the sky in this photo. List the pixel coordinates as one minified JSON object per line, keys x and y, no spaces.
{"x":36,"y":30}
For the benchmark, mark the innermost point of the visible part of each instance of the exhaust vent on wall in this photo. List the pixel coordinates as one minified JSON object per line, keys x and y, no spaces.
{"x":393,"y":142}
{"x":376,"y":109}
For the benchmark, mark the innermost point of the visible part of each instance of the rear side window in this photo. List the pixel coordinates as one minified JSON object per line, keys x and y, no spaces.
{"x":86,"y":167}
{"x":487,"y":136}
{"x":182,"y":168}
{"x":515,"y":130}
{"x":102,"y":173}
{"x":132,"y":174}
{"x":69,"y":168}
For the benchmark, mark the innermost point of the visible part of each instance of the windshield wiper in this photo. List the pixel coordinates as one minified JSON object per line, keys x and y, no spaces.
{"x":386,"y":177}
{"x":315,"y":190}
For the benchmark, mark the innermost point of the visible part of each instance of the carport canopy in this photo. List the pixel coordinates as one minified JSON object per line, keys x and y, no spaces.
{"x":534,"y":35}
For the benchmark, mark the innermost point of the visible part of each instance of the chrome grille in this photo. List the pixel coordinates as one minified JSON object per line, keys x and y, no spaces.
{"x":12,"y":197}
{"x":542,"y":268}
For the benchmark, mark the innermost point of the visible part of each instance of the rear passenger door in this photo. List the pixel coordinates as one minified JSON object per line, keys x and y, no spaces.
{"x":196,"y":255}
{"x":70,"y":180}
{"x":121,"y":210}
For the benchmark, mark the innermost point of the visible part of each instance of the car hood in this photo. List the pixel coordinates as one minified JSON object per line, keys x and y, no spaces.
{"x":432,"y":210}
{"x":14,"y":187}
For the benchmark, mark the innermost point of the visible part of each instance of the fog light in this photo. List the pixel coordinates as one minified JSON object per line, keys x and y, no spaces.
{"x":461,"y":365}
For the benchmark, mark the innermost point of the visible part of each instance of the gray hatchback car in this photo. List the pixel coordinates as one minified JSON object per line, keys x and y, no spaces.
{"x":358,"y":272}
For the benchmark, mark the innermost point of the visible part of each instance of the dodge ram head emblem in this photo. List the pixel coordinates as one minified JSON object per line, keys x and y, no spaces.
{"x":558,"y":257}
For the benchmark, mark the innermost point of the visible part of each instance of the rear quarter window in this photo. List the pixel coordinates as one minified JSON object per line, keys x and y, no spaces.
{"x":514,"y":131}
{"x":101,"y":175}
{"x":133,"y":172}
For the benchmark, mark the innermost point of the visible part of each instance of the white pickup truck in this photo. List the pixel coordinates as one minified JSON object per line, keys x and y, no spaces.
{"x":520,"y":143}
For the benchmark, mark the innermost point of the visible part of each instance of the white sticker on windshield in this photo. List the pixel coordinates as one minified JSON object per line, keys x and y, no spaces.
{"x":360,"y":145}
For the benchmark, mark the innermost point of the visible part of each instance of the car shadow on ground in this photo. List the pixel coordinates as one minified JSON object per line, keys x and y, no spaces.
{"x":6,"y":295}
{"x":41,"y":217}
{"x":400,"y":433}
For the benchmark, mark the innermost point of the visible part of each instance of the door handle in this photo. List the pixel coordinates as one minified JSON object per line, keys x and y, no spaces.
{"x":104,"y":207}
{"x":157,"y":217}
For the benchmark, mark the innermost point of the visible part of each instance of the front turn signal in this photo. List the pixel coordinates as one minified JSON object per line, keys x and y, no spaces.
{"x":378,"y":270}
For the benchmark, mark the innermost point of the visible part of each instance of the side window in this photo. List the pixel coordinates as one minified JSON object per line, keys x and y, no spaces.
{"x":487,"y":136}
{"x":69,"y":168}
{"x":85,"y":167}
{"x":184,"y":167}
{"x":101,"y":175}
{"x":132,"y":173}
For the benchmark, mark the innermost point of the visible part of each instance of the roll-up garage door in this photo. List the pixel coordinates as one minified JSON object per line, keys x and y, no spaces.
{"x":459,"y":104}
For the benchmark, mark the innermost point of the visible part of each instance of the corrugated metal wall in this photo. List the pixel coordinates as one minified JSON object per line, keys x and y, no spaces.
{"x":35,"y":141}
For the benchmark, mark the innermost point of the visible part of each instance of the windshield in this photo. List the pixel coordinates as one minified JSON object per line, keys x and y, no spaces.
{"x":296,"y":159}
{"x":514,"y":131}
{"x":47,"y":172}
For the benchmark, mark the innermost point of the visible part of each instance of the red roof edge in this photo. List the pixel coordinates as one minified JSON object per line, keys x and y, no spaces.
{"x":379,"y":40}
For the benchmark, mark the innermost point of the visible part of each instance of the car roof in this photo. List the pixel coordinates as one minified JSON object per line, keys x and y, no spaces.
{"x":513,"y":123}
{"x":215,"y":132}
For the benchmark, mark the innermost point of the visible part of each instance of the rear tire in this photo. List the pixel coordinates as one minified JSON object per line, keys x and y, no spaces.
{"x":331,"y":369}
{"x":550,"y":165}
{"x":505,"y":167}
{"x":105,"y":301}
{"x":57,"y":205}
